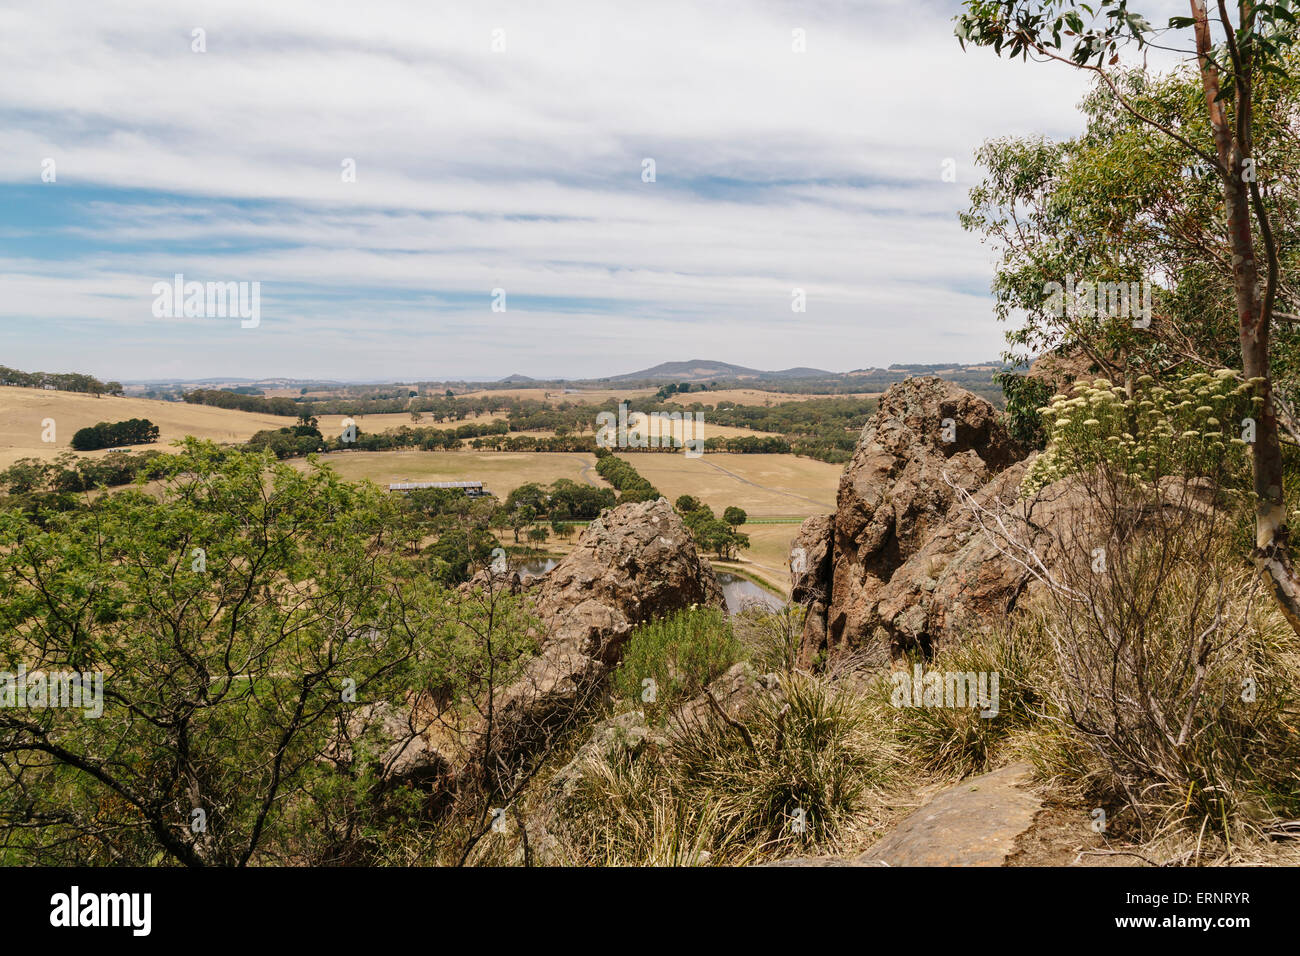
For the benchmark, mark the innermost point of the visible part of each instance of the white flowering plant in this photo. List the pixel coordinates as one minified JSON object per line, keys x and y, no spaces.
{"x":1198,"y":424}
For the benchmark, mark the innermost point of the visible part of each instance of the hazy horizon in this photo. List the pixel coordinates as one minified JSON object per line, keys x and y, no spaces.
{"x":491,"y":378}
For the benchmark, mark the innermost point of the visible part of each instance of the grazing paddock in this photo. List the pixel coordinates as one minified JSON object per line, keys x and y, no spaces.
{"x":23,"y":409}
{"x":782,"y":489}
{"x":764,"y":485}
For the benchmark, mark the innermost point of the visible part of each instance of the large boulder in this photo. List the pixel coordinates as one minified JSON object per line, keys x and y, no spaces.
{"x":634,"y":563}
{"x":928,"y":439}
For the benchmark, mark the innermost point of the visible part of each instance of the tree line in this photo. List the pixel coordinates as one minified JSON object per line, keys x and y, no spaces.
{"x":61,"y":381}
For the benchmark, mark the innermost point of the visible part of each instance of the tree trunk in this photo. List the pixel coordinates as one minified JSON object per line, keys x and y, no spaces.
{"x":1271,"y":553}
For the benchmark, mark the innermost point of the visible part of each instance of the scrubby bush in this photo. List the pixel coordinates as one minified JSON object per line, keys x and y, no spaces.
{"x":1024,"y":397}
{"x":680,"y":653}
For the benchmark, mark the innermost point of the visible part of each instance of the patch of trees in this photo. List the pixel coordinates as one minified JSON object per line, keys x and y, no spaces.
{"x":825,"y":429}
{"x":563,"y":500}
{"x":680,"y":388}
{"x":133,"y":431}
{"x":750,"y":445}
{"x":61,"y":381}
{"x":629,"y":482}
{"x":710,"y":532}
{"x":555,"y":443}
{"x":439,"y":408}
{"x":806,"y":417}
{"x":281,"y":748}
{"x":35,"y":486}
{"x":296,"y":441}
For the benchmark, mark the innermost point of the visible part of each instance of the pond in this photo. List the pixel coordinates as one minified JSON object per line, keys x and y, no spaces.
{"x":741,"y":592}
{"x":738,"y":591}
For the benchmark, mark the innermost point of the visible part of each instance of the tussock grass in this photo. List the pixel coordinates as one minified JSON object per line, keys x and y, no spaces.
{"x":785,"y":776}
{"x":680,"y":653}
{"x":956,"y":741}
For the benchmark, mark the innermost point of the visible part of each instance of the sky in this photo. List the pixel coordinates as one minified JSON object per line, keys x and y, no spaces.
{"x":499,"y":146}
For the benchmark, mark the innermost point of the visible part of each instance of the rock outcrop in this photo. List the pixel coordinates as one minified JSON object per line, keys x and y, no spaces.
{"x":1061,"y":371}
{"x":933,"y":537}
{"x":633,"y":563}
{"x":973,"y":823}
{"x":927,"y":439}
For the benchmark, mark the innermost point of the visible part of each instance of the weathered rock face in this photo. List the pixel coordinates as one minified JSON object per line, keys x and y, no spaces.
{"x":635,"y":562}
{"x":960,"y":575}
{"x":927,"y":436}
{"x":810,"y":558}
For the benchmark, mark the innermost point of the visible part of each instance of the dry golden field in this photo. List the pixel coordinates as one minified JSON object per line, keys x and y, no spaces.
{"x":332,"y":425}
{"x":764,"y":485}
{"x":500,"y":472}
{"x":22,"y":411}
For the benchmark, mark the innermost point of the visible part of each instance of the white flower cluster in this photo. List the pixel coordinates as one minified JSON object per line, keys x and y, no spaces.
{"x":1190,"y":425}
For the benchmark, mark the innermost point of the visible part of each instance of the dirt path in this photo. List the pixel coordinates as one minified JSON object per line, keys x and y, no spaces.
{"x":588,"y":469}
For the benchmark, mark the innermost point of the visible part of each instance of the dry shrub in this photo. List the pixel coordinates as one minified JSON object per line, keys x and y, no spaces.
{"x":1176,"y":678}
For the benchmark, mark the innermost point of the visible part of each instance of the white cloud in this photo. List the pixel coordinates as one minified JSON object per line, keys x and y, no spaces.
{"x":518,"y":169}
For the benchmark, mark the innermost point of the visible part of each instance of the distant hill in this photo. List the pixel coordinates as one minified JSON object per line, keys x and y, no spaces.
{"x":801,"y":380}
{"x":707,"y":370}
{"x":694,"y":370}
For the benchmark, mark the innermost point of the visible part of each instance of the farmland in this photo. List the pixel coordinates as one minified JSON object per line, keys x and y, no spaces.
{"x":783,"y":489}
{"x":22,"y":411}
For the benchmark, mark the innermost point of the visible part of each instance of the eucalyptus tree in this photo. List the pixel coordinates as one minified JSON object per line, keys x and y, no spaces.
{"x":1235,"y":51}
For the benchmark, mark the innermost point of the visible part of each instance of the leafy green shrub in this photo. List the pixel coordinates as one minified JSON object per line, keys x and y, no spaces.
{"x":1024,"y":396}
{"x":681,"y":653}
